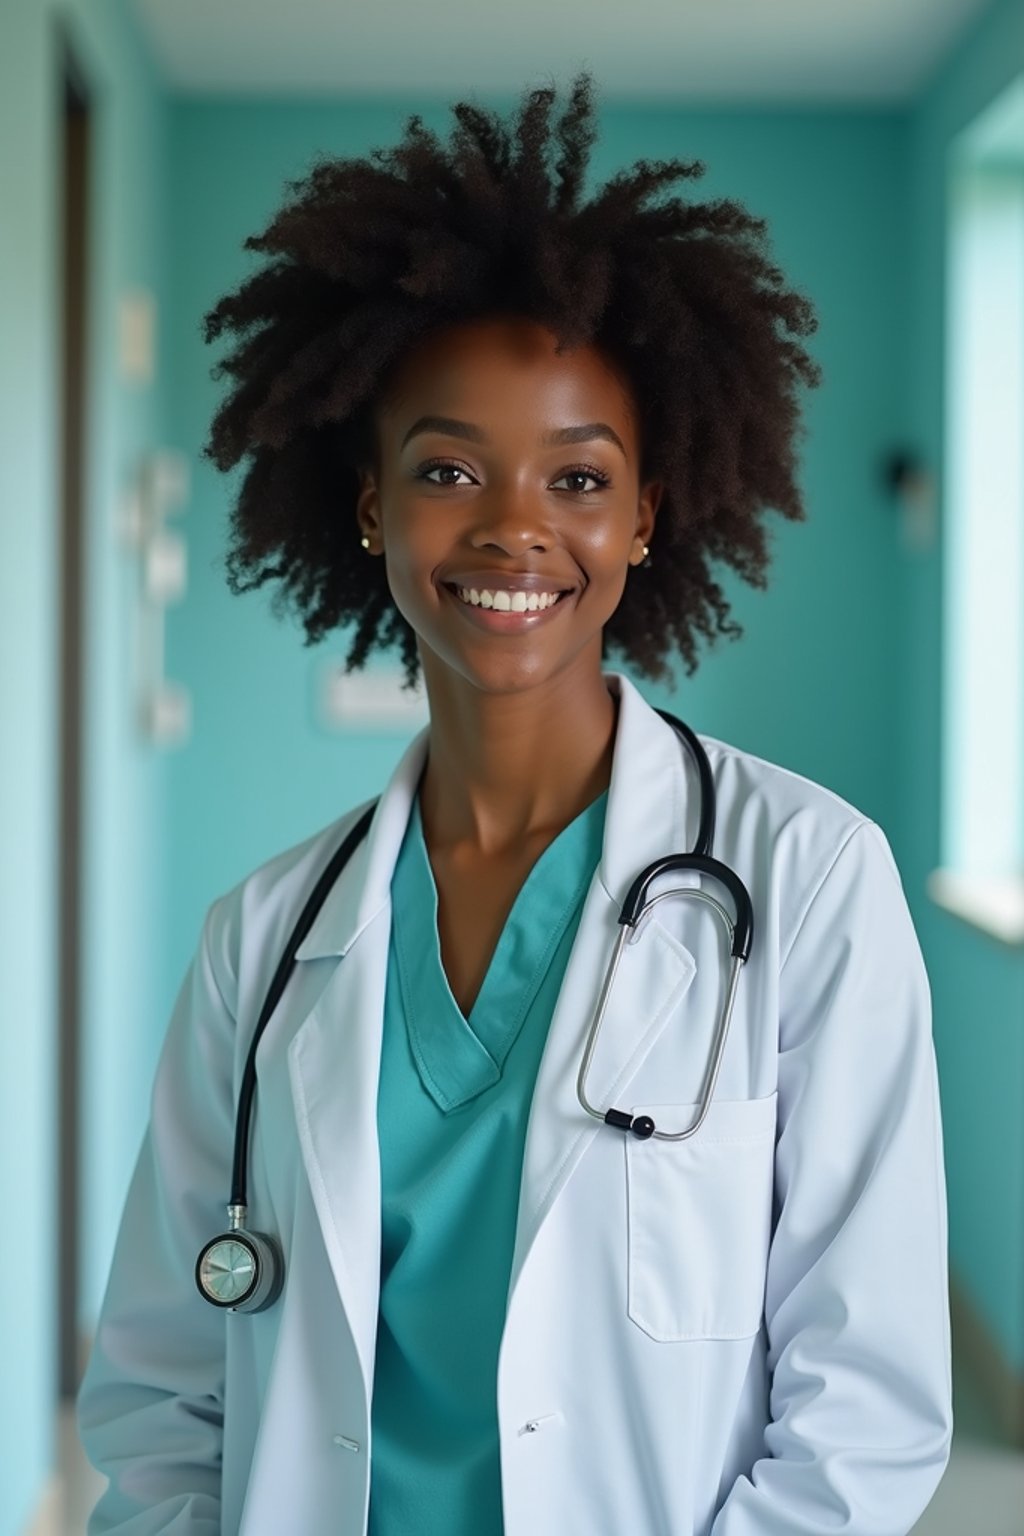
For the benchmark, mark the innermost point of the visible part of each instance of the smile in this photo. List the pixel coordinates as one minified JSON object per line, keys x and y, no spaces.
{"x":505,"y":610}
{"x":504,"y":601}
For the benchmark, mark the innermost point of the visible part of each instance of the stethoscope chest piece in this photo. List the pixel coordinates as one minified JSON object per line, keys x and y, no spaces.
{"x":239,"y":1270}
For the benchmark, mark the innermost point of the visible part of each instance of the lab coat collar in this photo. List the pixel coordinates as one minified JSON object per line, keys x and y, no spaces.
{"x":364,"y":886}
{"x":653,"y":796}
{"x":653,"y":809}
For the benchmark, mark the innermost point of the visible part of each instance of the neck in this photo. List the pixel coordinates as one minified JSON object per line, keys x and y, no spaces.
{"x":504,"y":767}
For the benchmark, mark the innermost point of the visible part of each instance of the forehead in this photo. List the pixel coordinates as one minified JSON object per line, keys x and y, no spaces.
{"x":507,"y":366}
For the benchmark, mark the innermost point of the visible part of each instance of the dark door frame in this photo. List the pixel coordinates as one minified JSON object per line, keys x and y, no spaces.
{"x":73,"y":187}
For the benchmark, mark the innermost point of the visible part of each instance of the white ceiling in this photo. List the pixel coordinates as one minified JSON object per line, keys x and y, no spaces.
{"x":750,"y":51}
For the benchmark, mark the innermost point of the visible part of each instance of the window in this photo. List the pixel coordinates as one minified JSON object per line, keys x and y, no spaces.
{"x":982,"y":877}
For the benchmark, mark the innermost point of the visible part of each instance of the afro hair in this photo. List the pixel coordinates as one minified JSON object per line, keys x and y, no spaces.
{"x":366,"y":256}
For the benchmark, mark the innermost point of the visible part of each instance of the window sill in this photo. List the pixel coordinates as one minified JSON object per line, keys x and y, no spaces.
{"x":992,"y":903}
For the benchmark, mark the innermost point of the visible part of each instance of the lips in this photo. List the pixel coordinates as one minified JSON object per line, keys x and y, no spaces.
{"x":508,"y":581}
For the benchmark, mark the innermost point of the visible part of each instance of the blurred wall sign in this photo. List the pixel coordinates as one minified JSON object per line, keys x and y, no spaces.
{"x":156,"y":492}
{"x":164,"y":568}
{"x":136,"y":336}
{"x":166,"y":714}
{"x":369,"y":701}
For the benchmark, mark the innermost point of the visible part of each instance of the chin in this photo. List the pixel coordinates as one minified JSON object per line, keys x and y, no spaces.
{"x":501,"y":674}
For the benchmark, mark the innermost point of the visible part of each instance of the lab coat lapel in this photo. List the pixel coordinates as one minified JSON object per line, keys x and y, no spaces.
{"x":653,"y":809}
{"x":334,"y":1057}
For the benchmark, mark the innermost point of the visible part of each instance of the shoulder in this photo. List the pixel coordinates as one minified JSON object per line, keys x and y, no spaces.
{"x":791,"y":829}
{"x":760,"y":805}
{"x":743,"y":777}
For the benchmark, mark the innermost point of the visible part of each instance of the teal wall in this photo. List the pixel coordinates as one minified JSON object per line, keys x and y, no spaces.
{"x":977,"y":982}
{"x":122,"y":779}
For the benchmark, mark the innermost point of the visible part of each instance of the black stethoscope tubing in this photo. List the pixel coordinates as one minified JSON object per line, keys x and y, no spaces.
{"x":266,"y":1266}
{"x":247,"y":1089}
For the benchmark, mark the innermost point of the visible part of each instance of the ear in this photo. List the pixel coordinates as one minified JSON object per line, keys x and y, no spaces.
{"x":646,"y":515}
{"x":368,"y":509}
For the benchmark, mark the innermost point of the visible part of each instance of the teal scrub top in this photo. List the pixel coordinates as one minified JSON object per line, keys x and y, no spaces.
{"x":452,"y":1109}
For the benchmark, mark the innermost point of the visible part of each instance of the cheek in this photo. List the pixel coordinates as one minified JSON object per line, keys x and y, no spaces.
{"x":603,"y":550}
{"x":412,"y":553}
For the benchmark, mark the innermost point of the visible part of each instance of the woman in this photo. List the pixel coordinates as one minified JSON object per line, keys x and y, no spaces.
{"x":507,"y":430}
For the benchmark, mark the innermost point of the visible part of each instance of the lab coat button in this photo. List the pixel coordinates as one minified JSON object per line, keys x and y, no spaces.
{"x":532,"y":1425}
{"x":349,"y":1445}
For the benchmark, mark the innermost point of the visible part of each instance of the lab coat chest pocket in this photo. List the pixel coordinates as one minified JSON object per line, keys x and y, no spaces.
{"x":699,"y":1219}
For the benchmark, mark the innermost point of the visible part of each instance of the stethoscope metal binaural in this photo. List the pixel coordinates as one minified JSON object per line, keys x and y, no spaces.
{"x":243,"y":1271}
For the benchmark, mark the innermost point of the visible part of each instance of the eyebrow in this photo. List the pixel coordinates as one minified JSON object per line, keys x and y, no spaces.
{"x":452,"y":427}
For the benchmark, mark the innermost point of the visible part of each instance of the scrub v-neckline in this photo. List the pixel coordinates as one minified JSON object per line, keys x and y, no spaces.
{"x":458,"y":1057}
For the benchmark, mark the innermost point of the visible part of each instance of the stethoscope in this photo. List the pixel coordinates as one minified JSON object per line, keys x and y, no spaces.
{"x":243,"y":1271}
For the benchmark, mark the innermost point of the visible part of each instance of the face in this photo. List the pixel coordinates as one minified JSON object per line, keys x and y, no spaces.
{"x":506,"y":501}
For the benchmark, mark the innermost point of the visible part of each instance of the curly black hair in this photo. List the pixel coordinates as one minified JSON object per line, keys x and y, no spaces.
{"x":370,"y":254}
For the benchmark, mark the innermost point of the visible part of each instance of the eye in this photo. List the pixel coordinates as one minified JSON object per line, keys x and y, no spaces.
{"x":446,"y":466}
{"x":584,"y":472}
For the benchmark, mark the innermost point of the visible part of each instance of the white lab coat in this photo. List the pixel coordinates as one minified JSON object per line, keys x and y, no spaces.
{"x":744,"y":1334}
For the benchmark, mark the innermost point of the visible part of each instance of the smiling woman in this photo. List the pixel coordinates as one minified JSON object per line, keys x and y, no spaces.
{"x":505,"y":430}
{"x":370,"y":257}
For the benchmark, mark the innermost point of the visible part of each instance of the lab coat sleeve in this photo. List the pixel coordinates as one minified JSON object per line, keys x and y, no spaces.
{"x":150,"y":1409}
{"x":856,"y":1303}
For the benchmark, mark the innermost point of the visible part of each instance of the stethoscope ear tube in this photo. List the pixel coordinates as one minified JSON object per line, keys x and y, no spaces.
{"x":635,"y":909}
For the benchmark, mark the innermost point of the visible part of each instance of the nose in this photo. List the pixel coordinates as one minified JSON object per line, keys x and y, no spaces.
{"x":512,"y":520}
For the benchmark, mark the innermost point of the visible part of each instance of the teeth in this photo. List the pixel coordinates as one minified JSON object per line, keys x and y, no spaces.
{"x":508,"y":602}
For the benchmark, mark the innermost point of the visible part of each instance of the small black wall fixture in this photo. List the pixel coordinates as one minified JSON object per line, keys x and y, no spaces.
{"x":909,"y":481}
